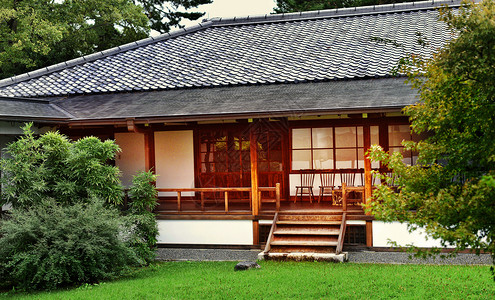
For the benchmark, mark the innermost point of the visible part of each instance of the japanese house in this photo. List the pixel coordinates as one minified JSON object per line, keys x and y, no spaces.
{"x":236,"y":115}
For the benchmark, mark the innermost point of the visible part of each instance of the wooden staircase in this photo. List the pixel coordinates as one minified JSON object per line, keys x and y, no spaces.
{"x":305,"y":235}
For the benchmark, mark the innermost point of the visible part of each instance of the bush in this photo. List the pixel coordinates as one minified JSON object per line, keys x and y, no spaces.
{"x":49,"y":245}
{"x":142,"y":222}
{"x":52,"y":166}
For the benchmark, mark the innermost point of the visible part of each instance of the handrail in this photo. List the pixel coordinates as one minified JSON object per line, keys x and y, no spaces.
{"x":340,"y":241}
{"x":224,"y":190}
{"x":270,"y":235}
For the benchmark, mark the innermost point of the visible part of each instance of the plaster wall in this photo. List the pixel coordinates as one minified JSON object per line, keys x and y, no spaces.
{"x":212,"y":232}
{"x":397,"y":232}
{"x":174,"y":159}
{"x":131,"y":159}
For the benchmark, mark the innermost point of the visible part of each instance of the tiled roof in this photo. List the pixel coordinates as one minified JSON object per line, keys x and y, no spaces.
{"x":30,"y":109}
{"x":343,"y":96}
{"x":290,"y":48}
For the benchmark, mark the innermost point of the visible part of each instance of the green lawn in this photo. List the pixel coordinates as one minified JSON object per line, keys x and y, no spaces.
{"x":202,"y":280}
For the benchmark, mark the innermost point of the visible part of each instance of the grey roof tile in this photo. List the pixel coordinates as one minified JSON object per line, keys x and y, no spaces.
{"x":232,"y":101}
{"x":288,"y":48}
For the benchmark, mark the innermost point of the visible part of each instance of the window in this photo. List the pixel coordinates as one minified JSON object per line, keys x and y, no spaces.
{"x":397,"y":134}
{"x":329,"y":147}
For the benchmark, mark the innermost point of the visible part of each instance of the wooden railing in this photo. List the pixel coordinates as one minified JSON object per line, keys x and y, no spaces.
{"x":225,"y":191}
{"x":340,"y":241}
{"x":270,"y":235}
{"x":202,"y":192}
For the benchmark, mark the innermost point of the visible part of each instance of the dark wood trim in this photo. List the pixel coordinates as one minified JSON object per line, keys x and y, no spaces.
{"x":149,"y":151}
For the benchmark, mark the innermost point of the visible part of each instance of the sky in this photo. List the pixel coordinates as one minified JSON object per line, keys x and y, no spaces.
{"x":234,"y":8}
{"x":229,"y":9}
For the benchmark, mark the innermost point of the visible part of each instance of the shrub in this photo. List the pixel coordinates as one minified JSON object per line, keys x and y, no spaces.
{"x":52,"y":166}
{"x":141,"y":220}
{"x":50,"y":245}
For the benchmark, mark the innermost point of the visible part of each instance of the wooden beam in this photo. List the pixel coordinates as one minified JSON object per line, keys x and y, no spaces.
{"x":253,"y":147}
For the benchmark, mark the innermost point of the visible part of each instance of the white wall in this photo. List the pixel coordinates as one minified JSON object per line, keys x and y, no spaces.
{"x":174,"y":160}
{"x":213,"y":232}
{"x":397,"y":232}
{"x":132,"y":158}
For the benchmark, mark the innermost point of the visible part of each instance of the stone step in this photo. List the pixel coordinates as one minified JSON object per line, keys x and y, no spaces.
{"x":304,"y":256}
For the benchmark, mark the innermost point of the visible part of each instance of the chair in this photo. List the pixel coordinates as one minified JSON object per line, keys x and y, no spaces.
{"x":307,"y":180}
{"x":326,"y":184}
{"x":348,"y":178}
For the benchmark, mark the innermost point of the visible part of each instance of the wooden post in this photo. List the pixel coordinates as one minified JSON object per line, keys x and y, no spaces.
{"x":369,"y":233}
{"x":277,"y":196}
{"x":344,"y":197}
{"x":178,"y":200}
{"x":226,"y":201}
{"x":256,"y":232}
{"x":368,"y":183}
{"x":149,"y":151}
{"x":253,"y":148}
{"x":202,"y":201}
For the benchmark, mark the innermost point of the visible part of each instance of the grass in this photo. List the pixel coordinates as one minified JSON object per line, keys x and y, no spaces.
{"x":284,"y":280}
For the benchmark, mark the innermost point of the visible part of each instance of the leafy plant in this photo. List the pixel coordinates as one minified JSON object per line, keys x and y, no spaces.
{"x":53,"y":167}
{"x":142,"y":222}
{"x":143,"y":192}
{"x":51,"y":245}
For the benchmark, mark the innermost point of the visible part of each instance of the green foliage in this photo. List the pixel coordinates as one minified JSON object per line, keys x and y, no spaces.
{"x":40,"y":33}
{"x":143,"y":192}
{"x":49,"y":245}
{"x":142,"y":231}
{"x":172,"y":11}
{"x":141,"y":221}
{"x":35,"y":34}
{"x":52,"y":167}
{"x":288,"y":6}
{"x":451,"y":192}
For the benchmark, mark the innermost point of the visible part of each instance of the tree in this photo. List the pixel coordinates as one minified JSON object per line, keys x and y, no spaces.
{"x":40,"y":33}
{"x":287,"y":6}
{"x":157,"y":12}
{"x":451,"y":191}
{"x":35,"y":33}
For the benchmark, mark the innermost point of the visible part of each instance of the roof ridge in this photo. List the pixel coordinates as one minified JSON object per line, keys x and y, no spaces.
{"x":336,"y":12}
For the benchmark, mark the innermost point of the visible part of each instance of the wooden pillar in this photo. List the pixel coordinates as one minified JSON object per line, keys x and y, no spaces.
{"x":253,"y":147}
{"x":368,"y":182}
{"x":256,"y":232}
{"x":149,"y":151}
{"x":369,"y":233}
